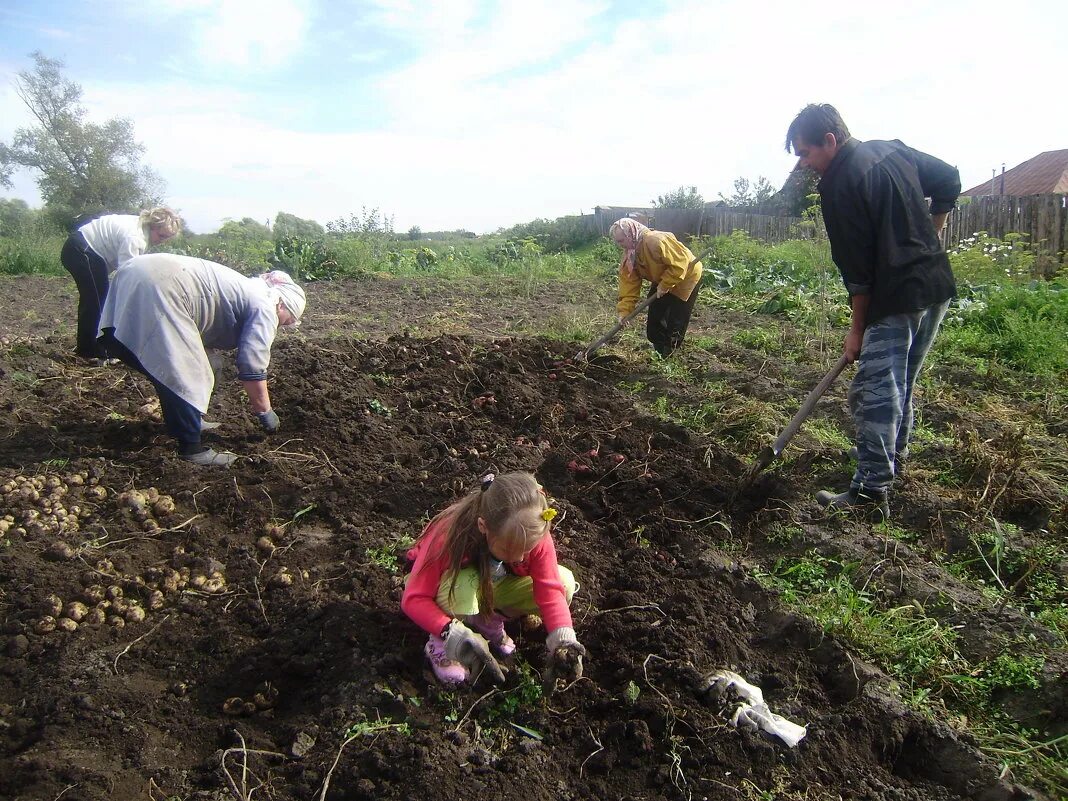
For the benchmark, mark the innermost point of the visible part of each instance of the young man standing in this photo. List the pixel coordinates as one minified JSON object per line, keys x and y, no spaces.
{"x":885,"y":241}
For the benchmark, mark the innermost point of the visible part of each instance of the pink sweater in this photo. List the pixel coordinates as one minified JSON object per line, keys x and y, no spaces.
{"x":420,"y":595}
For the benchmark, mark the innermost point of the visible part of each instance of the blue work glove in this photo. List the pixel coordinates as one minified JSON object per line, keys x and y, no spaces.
{"x":269,"y":420}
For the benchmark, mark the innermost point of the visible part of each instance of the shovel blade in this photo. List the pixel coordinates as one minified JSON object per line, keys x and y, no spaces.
{"x":765,"y":457}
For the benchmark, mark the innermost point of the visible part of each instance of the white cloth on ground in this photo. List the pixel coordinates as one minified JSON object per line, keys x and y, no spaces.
{"x":169,"y":309}
{"x":752,"y":712}
{"x":116,"y":238}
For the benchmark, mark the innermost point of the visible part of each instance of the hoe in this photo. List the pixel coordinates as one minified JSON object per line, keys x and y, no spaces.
{"x":771,"y":452}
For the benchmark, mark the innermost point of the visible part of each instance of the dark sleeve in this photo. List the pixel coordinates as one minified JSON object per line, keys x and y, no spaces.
{"x":853,"y":237}
{"x":939,"y":181}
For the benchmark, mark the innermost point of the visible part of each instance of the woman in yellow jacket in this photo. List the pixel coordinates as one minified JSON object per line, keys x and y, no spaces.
{"x":657,"y":256}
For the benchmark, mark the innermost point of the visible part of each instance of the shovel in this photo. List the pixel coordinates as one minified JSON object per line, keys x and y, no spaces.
{"x":586,"y":352}
{"x":771,"y":452}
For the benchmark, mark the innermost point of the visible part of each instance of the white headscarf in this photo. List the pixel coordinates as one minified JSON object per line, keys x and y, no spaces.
{"x":291,"y":295}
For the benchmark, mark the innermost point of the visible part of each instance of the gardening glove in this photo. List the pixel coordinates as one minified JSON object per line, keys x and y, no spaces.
{"x":269,"y":420}
{"x":565,"y":658}
{"x":472,"y":651}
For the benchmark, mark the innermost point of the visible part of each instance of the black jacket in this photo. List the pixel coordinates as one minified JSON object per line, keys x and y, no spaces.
{"x":882,"y":239}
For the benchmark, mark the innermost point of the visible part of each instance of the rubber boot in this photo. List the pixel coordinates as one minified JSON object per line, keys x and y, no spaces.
{"x":447,"y":671}
{"x":872,"y":502}
{"x":493,"y":631}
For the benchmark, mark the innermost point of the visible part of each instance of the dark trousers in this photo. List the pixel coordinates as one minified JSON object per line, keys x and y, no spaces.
{"x":181,"y":418}
{"x":91,"y":276}
{"x":668,"y":319}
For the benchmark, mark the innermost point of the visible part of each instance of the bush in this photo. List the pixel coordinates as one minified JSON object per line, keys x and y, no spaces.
{"x":33,"y":250}
{"x":555,"y":236}
{"x":1024,"y":326}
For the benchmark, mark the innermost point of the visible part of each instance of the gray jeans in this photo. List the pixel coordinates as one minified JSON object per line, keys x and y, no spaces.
{"x":880,"y":398}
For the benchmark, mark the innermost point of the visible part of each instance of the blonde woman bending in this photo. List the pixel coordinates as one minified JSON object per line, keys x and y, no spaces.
{"x":97,"y":249}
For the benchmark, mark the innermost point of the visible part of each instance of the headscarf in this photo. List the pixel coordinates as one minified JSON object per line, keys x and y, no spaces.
{"x":286,"y":290}
{"x":631,"y":232}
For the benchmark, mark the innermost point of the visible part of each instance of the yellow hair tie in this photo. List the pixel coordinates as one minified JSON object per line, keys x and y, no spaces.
{"x":548,"y":514}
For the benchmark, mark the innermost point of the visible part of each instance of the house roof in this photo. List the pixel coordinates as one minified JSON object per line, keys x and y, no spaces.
{"x":1045,"y":174}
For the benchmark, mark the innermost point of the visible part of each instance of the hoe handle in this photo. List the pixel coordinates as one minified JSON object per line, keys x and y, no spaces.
{"x":807,"y":407}
{"x":587,"y":352}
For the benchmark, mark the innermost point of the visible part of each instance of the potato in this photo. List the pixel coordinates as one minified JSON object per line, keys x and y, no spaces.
{"x":94,"y":617}
{"x":116,"y":621}
{"x":265,"y":545}
{"x":132,"y":500}
{"x":60,"y":552}
{"x":280,"y":580}
{"x":52,"y":605}
{"x":134,"y":614}
{"x":150,"y":526}
{"x":233,"y":706}
{"x":76,"y":611}
{"x":66,"y":624}
{"x":75,"y":479}
{"x":46,"y":625}
{"x":155,"y":599}
{"x":93,"y":594}
{"x":198,"y":581}
{"x":164,"y":506}
{"x":96,"y":493}
{"x":113,"y":592}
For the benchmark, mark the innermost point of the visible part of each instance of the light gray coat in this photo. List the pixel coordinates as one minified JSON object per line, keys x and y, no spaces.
{"x":169,"y":309}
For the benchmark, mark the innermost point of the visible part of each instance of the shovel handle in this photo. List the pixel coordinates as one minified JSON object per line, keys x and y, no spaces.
{"x":586,"y":352}
{"x":807,"y":407}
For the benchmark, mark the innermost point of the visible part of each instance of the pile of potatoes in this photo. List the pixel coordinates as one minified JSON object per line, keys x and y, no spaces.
{"x":109,"y":598}
{"x":42,"y":505}
{"x":147,"y":507}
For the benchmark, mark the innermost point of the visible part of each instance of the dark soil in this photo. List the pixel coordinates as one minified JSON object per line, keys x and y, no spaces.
{"x":270,"y":593}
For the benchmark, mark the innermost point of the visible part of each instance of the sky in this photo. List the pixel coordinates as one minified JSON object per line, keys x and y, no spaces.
{"x":479,"y":114}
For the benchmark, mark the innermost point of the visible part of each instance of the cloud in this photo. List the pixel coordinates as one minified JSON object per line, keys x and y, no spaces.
{"x":497,"y":113}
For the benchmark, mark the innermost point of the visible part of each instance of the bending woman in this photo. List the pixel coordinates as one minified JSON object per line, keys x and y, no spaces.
{"x":164,"y":311}
{"x":658,"y":257}
{"x":97,"y":249}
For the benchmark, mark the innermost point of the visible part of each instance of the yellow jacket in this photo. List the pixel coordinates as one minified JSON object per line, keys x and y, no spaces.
{"x":665,"y":261}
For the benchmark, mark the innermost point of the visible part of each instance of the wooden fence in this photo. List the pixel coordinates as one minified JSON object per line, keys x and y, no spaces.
{"x":709,"y":221}
{"x":1043,"y":219}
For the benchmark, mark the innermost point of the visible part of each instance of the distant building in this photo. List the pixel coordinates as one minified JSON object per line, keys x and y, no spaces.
{"x":1045,"y":174}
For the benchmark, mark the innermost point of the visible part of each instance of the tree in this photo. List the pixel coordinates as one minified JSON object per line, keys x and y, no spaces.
{"x":747,"y":195}
{"x":14,"y":216}
{"x":84,"y":167}
{"x":415,"y":233}
{"x":685,"y":197}
{"x":289,"y":225}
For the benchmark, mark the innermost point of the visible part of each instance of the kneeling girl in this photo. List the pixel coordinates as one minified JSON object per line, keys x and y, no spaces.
{"x":483,"y":560}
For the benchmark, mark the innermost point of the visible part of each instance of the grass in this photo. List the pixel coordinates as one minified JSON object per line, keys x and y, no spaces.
{"x":922,"y":655}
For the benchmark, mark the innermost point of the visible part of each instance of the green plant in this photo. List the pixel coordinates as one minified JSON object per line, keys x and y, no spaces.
{"x":376,"y":406}
{"x":523,"y":695}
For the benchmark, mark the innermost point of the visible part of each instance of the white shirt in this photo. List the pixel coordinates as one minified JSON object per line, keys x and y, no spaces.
{"x":116,"y":238}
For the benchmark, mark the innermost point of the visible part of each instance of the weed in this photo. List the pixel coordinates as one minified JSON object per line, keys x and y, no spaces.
{"x":367,"y":728}
{"x":764,"y":340}
{"x":524,"y":695}
{"x":389,"y":556}
{"x":376,"y":406}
